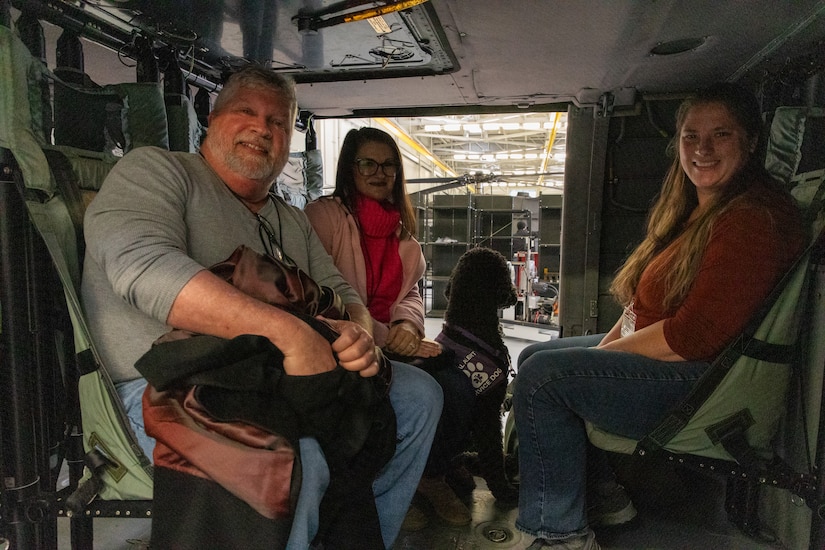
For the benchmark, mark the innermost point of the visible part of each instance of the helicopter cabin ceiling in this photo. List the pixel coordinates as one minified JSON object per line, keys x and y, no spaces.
{"x":391,"y":58}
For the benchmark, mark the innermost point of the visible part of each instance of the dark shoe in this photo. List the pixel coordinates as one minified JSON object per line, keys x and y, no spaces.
{"x":444,"y":501}
{"x":609,"y":504}
{"x":415,"y":520}
{"x":585,"y":542}
{"x":460,"y":480}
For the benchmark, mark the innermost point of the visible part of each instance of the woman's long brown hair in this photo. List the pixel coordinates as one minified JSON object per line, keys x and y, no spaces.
{"x":668,"y":219}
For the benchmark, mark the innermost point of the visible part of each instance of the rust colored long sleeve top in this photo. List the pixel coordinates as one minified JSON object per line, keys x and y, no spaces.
{"x":749,"y":249}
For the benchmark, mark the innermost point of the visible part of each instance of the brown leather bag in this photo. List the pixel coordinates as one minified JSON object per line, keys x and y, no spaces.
{"x":278,"y":283}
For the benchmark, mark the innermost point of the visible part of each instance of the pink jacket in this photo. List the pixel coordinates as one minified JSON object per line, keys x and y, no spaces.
{"x":337,"y":229}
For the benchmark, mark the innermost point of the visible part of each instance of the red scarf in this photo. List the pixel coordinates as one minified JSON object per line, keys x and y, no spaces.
{"x":379,"y":241}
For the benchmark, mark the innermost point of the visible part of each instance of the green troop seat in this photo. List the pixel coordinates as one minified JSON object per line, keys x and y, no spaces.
{"x":755,"y":387}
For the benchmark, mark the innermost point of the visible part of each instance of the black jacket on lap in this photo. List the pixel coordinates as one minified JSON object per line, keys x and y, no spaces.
{"x":242,"y":380}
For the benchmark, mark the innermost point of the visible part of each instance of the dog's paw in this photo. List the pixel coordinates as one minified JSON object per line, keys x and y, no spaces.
{"x":506,"y":495}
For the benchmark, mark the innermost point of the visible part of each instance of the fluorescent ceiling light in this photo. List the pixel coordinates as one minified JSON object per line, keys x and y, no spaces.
{"x":491,"y":126}
{"x":472,"y":128}
{"x":531,"y":126}
{"x":510,"y":126}
{"x":452,"y":127}
{"x":432,"y":127}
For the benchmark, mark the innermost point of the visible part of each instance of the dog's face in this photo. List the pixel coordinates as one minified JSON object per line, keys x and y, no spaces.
{"x":482,"y":277}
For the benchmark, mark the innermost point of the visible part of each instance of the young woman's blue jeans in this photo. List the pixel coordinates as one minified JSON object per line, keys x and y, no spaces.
{"x":416,"y":399}
{"x":561,"y":384}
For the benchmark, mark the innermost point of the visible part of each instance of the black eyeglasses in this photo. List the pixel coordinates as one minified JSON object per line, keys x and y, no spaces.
{"x":267,"y":234}
{"x":368,"y":167}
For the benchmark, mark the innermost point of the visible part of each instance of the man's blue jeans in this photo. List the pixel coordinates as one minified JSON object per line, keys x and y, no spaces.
{"x":131,"y":395}
{"x":416,"y":399}
{"x":561,"y":384}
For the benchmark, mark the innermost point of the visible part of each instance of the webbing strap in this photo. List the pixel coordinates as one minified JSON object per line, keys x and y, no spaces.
{"x":66,"y":184}
{"x":730,"y":433}
{"x":41,"y":220}
{"x":771,"y":353}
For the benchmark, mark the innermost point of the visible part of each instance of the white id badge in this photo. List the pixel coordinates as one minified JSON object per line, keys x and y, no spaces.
{"x":628,"y":321}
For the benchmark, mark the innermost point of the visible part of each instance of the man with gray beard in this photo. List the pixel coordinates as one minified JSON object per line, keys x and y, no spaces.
{"x":162,"y":218}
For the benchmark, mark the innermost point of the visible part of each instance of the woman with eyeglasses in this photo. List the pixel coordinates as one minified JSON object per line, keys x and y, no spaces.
{"x":368,"y":227}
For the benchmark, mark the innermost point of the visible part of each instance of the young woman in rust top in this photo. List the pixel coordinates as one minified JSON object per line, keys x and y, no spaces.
{"x":719,"y":237}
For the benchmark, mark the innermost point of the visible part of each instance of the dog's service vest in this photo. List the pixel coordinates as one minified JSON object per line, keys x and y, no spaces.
{"x":484,"y":366}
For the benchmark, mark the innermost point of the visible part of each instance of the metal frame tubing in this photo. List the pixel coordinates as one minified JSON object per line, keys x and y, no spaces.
{"x":818,"y":508}
{"x":26,"y":520}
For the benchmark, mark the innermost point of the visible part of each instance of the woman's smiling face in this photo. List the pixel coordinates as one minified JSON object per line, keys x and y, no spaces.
{"x":377,"y":186}
{"x":713,"y":147}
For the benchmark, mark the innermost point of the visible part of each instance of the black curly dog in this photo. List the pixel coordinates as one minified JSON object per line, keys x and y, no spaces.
{"x":479,"y":286}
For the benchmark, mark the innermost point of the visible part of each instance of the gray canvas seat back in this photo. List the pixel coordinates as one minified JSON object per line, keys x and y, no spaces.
{"x":143,"y":116}
{"x":796,"y":143}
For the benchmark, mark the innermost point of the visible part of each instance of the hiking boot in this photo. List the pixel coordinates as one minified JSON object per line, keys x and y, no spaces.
{"x":584,"y":542}
{"x":444,"y":501}
{"x":609,"y":504}
{"x":415,"y":520}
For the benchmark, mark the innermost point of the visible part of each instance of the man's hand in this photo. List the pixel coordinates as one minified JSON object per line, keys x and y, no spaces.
{"x":308,"y":353}
{"x":355,"y":347}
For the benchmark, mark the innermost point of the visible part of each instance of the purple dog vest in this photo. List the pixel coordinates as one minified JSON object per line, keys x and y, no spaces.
{"x":484,"y":366}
